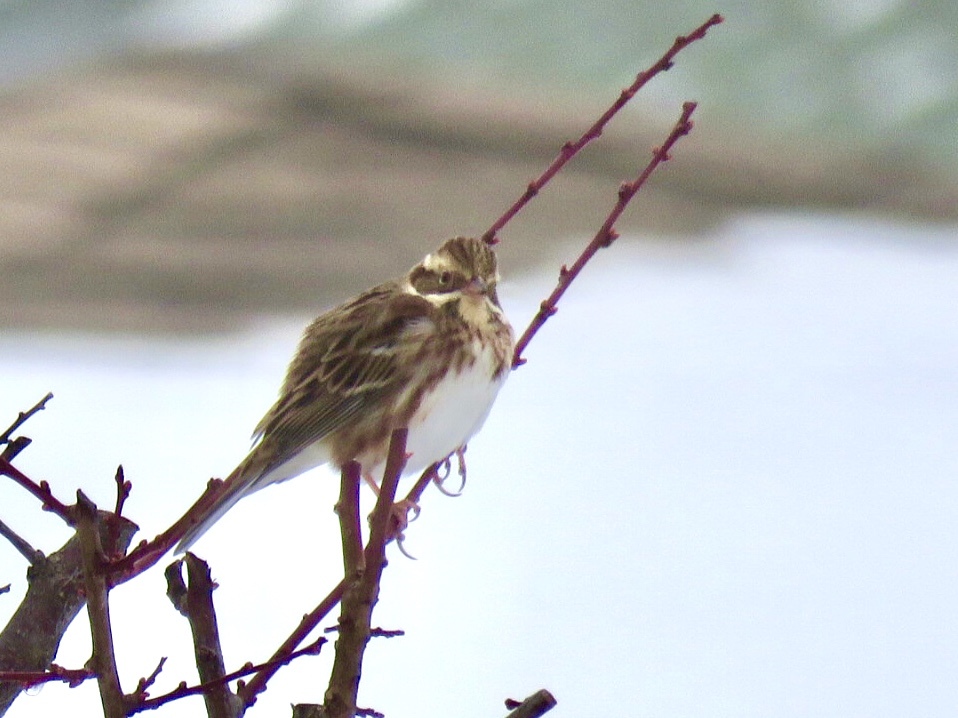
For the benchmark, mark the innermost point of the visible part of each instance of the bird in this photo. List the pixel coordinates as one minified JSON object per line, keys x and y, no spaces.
{"x":428,"y":352}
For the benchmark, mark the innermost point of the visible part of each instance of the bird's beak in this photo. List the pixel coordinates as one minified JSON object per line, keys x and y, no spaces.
{"x":476,"y":287}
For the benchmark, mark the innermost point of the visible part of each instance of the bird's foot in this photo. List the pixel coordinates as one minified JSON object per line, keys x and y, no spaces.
{"x":399,"y":520}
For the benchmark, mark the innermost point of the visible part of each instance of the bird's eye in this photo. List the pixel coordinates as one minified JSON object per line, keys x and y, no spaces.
{"x":445,"y":278}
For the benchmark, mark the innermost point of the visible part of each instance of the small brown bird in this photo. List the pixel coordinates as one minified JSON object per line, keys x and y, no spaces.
{"x":428,"y":352}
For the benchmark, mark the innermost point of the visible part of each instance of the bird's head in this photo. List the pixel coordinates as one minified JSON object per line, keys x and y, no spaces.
{"x":462,"y":267}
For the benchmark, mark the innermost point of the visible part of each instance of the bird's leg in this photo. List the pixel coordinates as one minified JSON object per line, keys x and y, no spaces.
{"x":371,"y":483}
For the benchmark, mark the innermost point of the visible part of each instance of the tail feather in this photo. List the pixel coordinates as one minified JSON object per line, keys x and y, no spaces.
{"x":256,"y":471}
{"x":241,"y":482}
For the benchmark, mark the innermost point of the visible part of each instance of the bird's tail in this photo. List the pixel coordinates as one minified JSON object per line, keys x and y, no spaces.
{"x":207,"y":511}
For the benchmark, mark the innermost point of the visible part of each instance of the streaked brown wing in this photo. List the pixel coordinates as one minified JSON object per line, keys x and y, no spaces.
{"x":349,"y":360}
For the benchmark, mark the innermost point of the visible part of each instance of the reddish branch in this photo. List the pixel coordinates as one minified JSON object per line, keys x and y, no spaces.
{"x":606,"y":234}
{"x":40,"y":490}
{"x":182,"y":690}
{"x":23,"y":416}
{"x":571,"y":149}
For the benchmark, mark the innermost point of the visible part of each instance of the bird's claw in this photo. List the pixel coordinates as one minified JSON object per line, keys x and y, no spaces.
{"x":446,"y":469}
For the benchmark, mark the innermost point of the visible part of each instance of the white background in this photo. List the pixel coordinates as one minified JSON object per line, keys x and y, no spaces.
{"x":724,"y":485}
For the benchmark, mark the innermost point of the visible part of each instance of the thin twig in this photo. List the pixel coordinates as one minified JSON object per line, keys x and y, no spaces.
{"x":148,"y":553}
{"x":21,"y":544}
{"x":123,"y":488}
{"x":571,"y":149}
{"x":605,"y":236}
{"x":266,"y":671}
{"x":22,"y":418}
{"x":144,"y":684}
{"x":430,"y":475}
{"x":98,"y":608}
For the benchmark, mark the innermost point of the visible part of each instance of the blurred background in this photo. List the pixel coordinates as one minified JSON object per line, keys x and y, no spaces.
{"x":725,"y":482}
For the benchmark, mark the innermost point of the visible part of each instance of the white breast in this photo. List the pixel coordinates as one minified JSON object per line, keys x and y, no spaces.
{"x":452,"y":413}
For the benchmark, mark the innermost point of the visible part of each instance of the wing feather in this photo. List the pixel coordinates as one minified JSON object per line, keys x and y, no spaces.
{"x":348,"y":360}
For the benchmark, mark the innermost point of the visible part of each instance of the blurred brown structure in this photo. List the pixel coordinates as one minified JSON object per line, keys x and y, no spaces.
{"x":186,"y":192}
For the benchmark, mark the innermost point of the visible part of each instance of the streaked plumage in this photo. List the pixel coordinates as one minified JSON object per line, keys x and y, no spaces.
{"x":428,"y":352}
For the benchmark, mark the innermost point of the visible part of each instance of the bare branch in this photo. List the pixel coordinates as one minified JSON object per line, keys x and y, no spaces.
{"x":40,"y":490}
{"x":28,"y":679}
{"x":347,"y":508}
{"x":571,"y":149}
{"x":98,"y":608}
{"x":195,"y":601}
{"x":55,"y":595}
{"x":143,"y":685}
{"x":362,"y":591}
{"x":606,"y":234}
{"x":148,"y":553}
